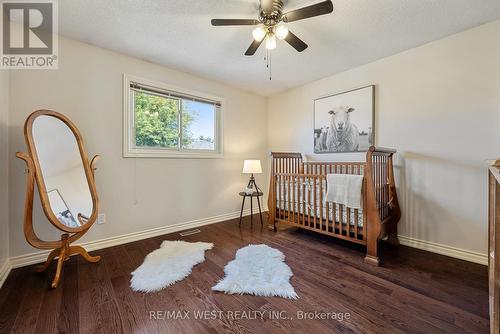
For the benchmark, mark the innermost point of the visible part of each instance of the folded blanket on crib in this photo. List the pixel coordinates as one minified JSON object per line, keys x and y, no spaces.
{"x":344,"y":189}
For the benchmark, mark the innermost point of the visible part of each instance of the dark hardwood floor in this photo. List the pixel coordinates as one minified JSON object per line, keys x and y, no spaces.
{"x":413,"y":292}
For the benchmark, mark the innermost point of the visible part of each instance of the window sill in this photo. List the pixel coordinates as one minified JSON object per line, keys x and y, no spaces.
{"x":171,"y":154}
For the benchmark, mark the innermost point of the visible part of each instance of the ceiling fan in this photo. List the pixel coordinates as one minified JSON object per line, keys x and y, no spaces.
{"x":270,"y":24}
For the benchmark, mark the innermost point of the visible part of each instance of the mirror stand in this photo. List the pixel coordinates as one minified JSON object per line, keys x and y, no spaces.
{"x":61,"y":249}
{"x":63,"y":253}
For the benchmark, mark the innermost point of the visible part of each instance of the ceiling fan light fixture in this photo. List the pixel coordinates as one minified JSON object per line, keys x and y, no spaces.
{"x":259,"y":33}
{"x":270,"y":42}
{"x":281,"y":31}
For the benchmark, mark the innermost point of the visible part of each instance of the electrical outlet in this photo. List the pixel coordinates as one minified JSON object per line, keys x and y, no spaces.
{"x":101,"y":218}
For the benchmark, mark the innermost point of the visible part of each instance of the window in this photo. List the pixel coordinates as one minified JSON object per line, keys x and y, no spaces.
{"x":164,"y":122}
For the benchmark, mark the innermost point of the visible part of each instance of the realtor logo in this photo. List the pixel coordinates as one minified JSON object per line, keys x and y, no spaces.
{"x":29,"y":35}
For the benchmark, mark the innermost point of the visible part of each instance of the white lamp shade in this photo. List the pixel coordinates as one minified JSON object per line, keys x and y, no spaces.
{"x":259,"y":33}
{"x":281,"y":32}
{"x":252,"y":167}
{"x":270,"y":42}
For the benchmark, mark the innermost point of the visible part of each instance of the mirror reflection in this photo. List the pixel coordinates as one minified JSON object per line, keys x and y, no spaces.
{"x":62,"y":171}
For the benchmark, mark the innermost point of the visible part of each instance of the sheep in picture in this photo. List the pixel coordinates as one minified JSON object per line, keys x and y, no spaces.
{"x":342,"y":136}
{"x":317,"y":141}
{"x":322,"y":138}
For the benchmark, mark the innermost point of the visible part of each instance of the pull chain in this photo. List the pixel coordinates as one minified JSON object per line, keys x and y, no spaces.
{"x":267,"y":58}
{"x":270,"y":66}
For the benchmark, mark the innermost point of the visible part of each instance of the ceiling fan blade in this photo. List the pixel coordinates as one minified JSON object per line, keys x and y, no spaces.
{"x":234,"y":22}
{"x":253,"y":47}
{"x":296,"y":42}
{"x":322,"y":8}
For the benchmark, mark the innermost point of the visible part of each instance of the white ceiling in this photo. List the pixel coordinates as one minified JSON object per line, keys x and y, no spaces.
{"x":178,"y":34}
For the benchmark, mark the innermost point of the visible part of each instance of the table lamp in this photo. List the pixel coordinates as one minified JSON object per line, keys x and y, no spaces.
{"x":252,"y":167}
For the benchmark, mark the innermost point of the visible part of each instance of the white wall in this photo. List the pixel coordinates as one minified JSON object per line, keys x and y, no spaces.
{"x":4,"y":176}
{"x":135,"y":194}
{"x":439,"y":106}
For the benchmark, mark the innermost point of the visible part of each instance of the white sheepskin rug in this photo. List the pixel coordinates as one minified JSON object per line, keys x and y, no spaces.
{"x":258,"y":270}
{"x":168,"y":264}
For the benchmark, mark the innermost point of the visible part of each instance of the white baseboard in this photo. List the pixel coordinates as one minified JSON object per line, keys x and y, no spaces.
{"x":37,"y":257}
{"x":458,"y":253}
{"x":5,"y":269}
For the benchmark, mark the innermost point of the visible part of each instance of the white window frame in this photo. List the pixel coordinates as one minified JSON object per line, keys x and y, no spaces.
{"x":129,"y":148}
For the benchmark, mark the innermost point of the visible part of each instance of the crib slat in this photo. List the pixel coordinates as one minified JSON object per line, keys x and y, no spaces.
{"x":379,"y":159}
{"x":292,"y":197}
{"x":327,"y":208}
{"x":381,"y":210}
{"x":375,"y":178}
{"x":309,"y":199}
{"x":291,"y":205}
{"x":286,"y":193}
{"x":315,"y":211}
{"x":289,"y":196}
{"x":386,"y":187}
{"x":382,"y":184}
{"x":313,"y":201}
{"x":285,"y":197}
{"x":387,"y":171}
{"x":277,"y":189}
{"x":294,"y":192}
{"x":298,"y":200}
{"x":341,"y":218}
{"x":384,"y":178}
{"x":348,"y":223}
{"x":356,"y":211}
{"x":321,"y":203}
{"x":379,"y":170}
{"x":277,"y":196}
{"x":280,"y":207}
{"x":365,"y":203}
{"x":356,"y":222}
{"x":302,"y":199}
{"x":334,"y":216}
{"x":308,"y":202}
{"x":375,"y":171}
{"x":290,"y":212}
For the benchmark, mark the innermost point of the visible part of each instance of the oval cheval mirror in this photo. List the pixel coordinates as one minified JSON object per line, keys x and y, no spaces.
{"x":57,"y":160}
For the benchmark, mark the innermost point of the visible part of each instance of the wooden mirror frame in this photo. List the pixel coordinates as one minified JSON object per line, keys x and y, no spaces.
{"x":61,"y":248}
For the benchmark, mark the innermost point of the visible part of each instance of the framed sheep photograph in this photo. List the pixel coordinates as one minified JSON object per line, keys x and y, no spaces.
{"x":343,"y":122}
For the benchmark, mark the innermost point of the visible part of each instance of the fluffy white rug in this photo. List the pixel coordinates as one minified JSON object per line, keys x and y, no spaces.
{"x":258,"y":270}
{"x":168,"y":264}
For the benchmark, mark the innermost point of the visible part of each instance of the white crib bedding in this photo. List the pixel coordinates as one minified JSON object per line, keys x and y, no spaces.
{"x":299,"y":202}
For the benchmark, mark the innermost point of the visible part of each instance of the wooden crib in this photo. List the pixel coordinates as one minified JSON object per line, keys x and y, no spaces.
{"x":297,"y":190}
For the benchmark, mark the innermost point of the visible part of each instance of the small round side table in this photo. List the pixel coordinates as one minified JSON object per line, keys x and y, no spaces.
{"x":257,"y":194}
